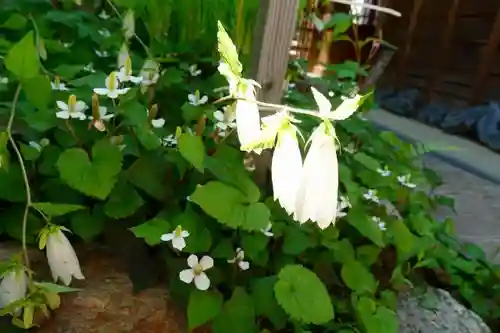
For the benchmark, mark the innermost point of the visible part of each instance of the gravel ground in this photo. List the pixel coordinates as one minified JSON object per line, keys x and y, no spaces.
{"x":477,"y":202}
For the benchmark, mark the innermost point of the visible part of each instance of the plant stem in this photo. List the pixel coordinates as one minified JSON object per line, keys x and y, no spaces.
{"x":24,"y":174}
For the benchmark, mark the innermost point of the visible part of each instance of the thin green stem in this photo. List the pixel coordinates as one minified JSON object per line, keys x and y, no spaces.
{"x":24,"y":174}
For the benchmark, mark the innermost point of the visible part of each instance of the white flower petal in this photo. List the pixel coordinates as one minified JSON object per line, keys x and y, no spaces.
{"x":186,"y":275}
{"x":178,"y":243}
{"x":203,"y":100}
{"x":323,"y":103}
{"x":192,"y":261}
{"x":247,"y":120}
{"x":219,"y":115}
{"x":184,"y":233}
{"x":63,"y":115}
{"x":167,"y":237}
{"x":63,"y":106}
{"x":158,"y":123}
{"x":347,"y":108}
{"x":244,"y":265}
{"x":206,"y":262}
{"x":101,"y":91}
{"x":201,"y":281}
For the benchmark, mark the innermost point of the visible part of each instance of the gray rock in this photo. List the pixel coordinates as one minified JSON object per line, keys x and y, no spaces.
{"x":436,"y":311}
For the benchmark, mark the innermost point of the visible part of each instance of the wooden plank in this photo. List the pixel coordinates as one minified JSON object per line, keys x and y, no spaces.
{"x":417,"y":5}
{"x":434,"y":80}
{"x":488,"y":58}
{"x":275,"y":28}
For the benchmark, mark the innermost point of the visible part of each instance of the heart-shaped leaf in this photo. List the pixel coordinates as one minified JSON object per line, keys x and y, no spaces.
{"x":95,"y":177}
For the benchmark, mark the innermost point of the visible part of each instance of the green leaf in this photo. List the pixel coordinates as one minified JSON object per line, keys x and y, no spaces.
{"x":254,"y":244}
{"x":95,"y":178}
{"x":360,"y":220}
{"x":11,"y":184}
{"x":237,"y":312}
{"x":235,"y":211}
{"x":303,"y":296}
{"x":149,"y":174}
{"x":88,"y":225}
{"x":376,"y":319}
{"x":227,"y":50}
{"x":367,"y":161}
{"x":56,"y":288}
{"x":200,"y":239}
{"x":15,"y":22}
{"x":203,"y":306}
{"x":402,"y":237}
{"x":265,"y":302}
{"x":296,"y":240}
{"x":4,"y":151}
{"x":340,"y":22}
{"x":56,"y":209}
{"x":192,"y":149}
{"x":152,"y":230}
{"x":367,"y":254}
{"x":22,"y":59}
{"x":343,"y":251}
{"x":38,"y":91}
{"x":358,"y":278}
{"x":123,"y":201}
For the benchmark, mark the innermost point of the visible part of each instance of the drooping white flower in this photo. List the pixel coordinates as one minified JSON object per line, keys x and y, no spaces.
{"x":125,"y":73}
{"x":247,"y":116}
{"x":62,"y":258}
{"x":318,"y":189}
{"x":129,"y":24}
{"x":123,"y":55}
{"x":379,"y":222}
{"x":150,"y":72}
{"x":74,"y":109}
{"x":231,"y":78}
{"x":385,"y":172}
{"x":196,"y":100}
{"x":194,"y":71}
{"x":13,"y":287}
{"x":267,"y":230}
{"x":286,"y":168}
{"x":103,"y":15}
{"x":112,"y":89}
{"x":239,"y":260}
{"x":177,"y":237}
{"x":343,"y":111}
{"x":405,"y":181}
{"x":103,"y":114}
{"x":196,"y":271}
{"x":371,"y":195}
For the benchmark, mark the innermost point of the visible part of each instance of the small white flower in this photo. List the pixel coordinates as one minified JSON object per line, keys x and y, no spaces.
{"x":125,"y":73}
{"x":169,"y":141}
{"x":103,"y":114}
{"x":385,"y":172}
{"x":103,"y":15}
{"x":101,"y":54}
{"x":239,"y":260}
{"x":74,"y":109}
{"x":249,"y":162}
{"x":62,"y":258}
{"x":129,"y":24}
{"x":267,"y":230}
{"x":225,"y":121}
{"x":194,"y":71}
{"x":196,"y":271}
{"x":67,"y":45}
{"x":104,"y":32}
{"x":350,"y":148}
{"x":379,"y":222}
{"x":331,"y":93}
{"x":371,"y":195}
{"x":196,"y":100}
{"x":112,"y":89}
{"x":286,"y":168}
{"x":405,"y":181}
{"x":177,"y":237}
{"x":58,"y":85}
{"x":318,"y":190}
{"x":4,"y":80}
{"x":342,"y":205}
{"x":89,"y":68}
{"x":13,"y":287}
{"x":150,"y":72}
{"x":158,"y":122}
{"x":36,"y":145}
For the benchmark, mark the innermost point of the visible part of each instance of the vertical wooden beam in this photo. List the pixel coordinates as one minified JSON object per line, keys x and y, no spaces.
{"x":275,"y":28}
{"x":490,"y":51}
{"x":435,"y":80}
{"x":417,"y":5}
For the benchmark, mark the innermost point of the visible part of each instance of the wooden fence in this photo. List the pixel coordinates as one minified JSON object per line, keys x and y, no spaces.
{"x":447,"y":48}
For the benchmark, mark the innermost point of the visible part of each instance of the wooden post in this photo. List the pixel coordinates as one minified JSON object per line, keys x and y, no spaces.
{"x":435,"y":79}
{"x":417,"y":5}
{"x":488,"y":57}
{"x":275,"y":28}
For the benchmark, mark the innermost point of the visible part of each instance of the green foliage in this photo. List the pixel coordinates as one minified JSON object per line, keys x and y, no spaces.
{"x":185,"y":182}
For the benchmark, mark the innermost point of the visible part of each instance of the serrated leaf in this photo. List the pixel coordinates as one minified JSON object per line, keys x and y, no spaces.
{"x":22,"y":59}
{"x":94,"y":178}
{"x":203,"y":306}
{"x":265,"y":302}
{"x":303,"y":296}
{"x":227,"y":50}
{"x":152,"y":230}
{"x":56,"y":209}
{"x":123,"y":201}
{"x":235,"y":211}
{"x":237,"y":312}
{"x":358,"y":278}
{"x":192,"y":149}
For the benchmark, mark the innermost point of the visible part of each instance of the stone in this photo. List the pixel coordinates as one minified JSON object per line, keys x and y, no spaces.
{"x":436,"y":311}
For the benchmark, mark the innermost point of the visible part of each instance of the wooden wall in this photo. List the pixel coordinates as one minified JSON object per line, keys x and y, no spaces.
{"x":448,"y":48}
